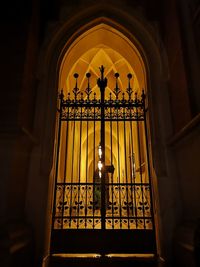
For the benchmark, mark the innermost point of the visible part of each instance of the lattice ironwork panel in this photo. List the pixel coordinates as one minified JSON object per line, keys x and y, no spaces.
{"x":79,"y":206}
{"x":119,"y":112}
{"x":128,"y":207}
{"x":102,"y":170}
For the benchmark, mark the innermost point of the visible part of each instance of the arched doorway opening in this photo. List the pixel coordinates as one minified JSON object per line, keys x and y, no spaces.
{"x":113,"y":200}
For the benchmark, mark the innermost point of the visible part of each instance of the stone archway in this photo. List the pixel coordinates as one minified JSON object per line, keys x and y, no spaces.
{"x":102,"y":45}
{"x":139,"y":32}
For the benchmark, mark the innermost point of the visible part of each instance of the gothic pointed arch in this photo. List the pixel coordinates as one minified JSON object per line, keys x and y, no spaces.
{"x":144,"y":37}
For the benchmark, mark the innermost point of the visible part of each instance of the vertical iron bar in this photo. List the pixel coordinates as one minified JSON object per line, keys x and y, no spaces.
{"x":111,"y":156}
{"x":117,"y":92}
{"x":103,"y":210}
{"x":119,"y":176}
{"x":65,"y":167}
{"x":133,"y":184}
{"x":140,"y":163}
{"x":79,"y":175}
{"x":86,"y":186}
{"x":72,"y":171}
{"x":102,"y":83}
{"x":57,"y":156}
{"x":127,"y":205}
{"x":94,"y":148}
{"x":148,"y":163}
{"x":66,"y":148}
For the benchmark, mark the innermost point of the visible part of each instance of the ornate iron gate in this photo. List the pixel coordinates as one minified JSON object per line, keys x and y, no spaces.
{"x":103,"y":198}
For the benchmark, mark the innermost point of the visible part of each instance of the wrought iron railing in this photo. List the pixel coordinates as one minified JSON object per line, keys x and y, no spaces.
{"x":78,"y":206}
{"x":82,"y":199}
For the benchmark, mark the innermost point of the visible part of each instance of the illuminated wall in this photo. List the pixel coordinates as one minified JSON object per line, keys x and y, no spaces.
{"x":101,"y":45}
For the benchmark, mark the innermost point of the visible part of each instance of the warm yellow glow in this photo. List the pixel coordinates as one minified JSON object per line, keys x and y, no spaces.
{"x":100,"y":151}
{"x":102,"y":45}
{"x":80,"y":152}
{"x":142,"y":256}
{"x":100,"y":165}
{"x":77,"y":255}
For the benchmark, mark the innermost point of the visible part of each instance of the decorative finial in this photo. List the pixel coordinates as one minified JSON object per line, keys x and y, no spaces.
{"x":88,"y":90}
{"x":76,"y":89}
{"x":117,"y":89}
{"x":129,"y":89}
{"x":102,"y":71}
{"x":102,"y":82}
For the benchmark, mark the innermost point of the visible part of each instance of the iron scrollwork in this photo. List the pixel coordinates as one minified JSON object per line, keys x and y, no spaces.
{"x":127,"y":205}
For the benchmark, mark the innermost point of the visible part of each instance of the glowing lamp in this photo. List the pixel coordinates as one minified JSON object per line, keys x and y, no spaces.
{"x":100,"y":151}
{"x":100,"y":165}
